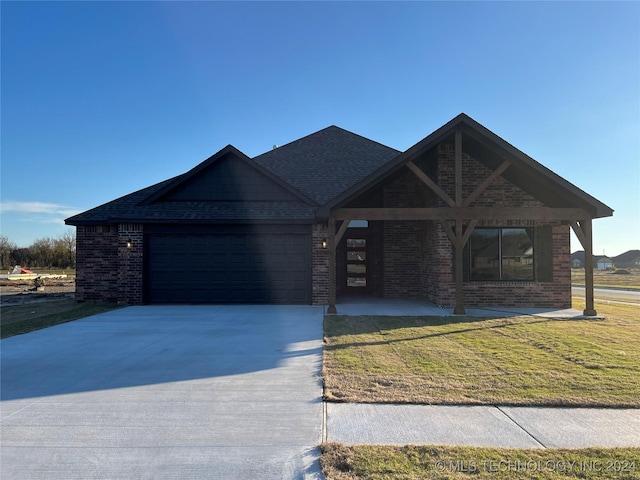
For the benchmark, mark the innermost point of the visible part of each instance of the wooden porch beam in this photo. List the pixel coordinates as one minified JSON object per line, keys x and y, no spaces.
{"x":458,"y":167}
{"x":449,"y":231}
{"x":488,"y":181}
{"x":577,"y":229}
{"x":469,"y":231}
{"x":431,"y":184}
{"x":463,"y":213}
{"x":341,"y":230}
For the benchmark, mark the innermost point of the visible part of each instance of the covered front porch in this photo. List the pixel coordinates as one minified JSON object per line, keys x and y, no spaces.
{"x":424,"y":211}
{"x":369,"y":305}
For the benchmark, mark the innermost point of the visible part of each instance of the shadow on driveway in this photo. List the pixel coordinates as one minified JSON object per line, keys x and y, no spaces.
{"x":215,"y":392}
{"x":158,"y":344}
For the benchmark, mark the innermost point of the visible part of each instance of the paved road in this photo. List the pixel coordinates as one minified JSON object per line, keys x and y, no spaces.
{"x":165,"y":392}
{"x":632,"y":296}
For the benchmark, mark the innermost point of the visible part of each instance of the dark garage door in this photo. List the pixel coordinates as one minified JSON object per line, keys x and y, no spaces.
{"x":229,"y":267}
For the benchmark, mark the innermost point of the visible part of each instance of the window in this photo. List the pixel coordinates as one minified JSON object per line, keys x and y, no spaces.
{"x":501,"y":254}
{"x":358,"y":224}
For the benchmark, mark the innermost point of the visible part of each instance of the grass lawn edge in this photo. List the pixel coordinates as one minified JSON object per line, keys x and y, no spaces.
{"x":21,"y":319}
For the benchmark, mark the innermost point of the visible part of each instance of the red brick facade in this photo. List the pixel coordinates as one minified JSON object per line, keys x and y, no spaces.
{"x":418,"y":256}
{"x":97,"y":263}
{"x":107,"y":270}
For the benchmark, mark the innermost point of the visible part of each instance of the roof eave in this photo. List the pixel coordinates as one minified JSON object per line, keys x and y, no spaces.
{"x":217,"y":221}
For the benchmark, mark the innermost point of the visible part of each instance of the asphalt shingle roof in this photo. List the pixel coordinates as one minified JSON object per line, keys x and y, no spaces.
{"x":321,"y":166}
{"x":115,"y":208}
{"x":324,"y":167}
{"x":326,"y":163}
{"x":130,"y":209}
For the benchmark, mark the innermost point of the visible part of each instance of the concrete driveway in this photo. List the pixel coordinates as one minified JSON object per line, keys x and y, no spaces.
{"x":229,"y":392}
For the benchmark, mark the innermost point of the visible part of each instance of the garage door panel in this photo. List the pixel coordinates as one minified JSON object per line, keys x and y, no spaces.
{"x":228,"y":268}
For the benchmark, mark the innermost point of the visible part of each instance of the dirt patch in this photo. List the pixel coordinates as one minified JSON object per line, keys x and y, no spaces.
{"x":621,"y":272}
{"x":13,"y":292}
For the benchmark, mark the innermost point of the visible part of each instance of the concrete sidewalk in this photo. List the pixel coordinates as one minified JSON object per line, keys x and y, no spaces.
{"x":486,"y":426}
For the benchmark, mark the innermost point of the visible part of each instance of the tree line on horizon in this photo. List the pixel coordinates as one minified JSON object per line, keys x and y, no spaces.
{"x":46,"y":252}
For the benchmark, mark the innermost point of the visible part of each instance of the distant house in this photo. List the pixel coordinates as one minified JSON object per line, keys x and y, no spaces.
{"x":462,"y":217}
{"x":577,"y":259}
{"x":630,"y":259}
{"x":603,"y":263}
{"x":600,"y":262}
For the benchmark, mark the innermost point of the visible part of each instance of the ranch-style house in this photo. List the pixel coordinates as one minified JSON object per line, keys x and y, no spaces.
{"x":462,"y":218}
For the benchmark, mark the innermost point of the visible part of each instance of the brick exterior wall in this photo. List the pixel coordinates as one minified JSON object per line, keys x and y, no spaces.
{"x":554,"y":294}
{"x":107,"y":271}
{"x":418,"y":256}
{"x":404,"y":241}
{"x":319,"y":265}
{"x":413,"y":259}
{"x":438,"y":266}
{"x":130,"y":273}
{"x":97,"y":263}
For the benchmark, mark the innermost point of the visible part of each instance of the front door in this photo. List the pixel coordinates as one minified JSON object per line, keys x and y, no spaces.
{"x":357,"y":264}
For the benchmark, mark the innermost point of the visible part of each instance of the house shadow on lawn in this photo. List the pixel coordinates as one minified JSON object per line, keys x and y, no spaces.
{"x":389,"y":327}
{"x":140,"y":346}
{"x":360,"y":305}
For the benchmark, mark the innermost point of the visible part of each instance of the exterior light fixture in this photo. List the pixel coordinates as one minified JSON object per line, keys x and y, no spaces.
{"x":129,"y":243}
{"x":324,"y":243}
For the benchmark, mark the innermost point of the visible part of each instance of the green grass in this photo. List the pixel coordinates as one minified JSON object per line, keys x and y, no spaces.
{"x":371,"y":462}
{"x":466,"y":360}
{"x":15,"y":320}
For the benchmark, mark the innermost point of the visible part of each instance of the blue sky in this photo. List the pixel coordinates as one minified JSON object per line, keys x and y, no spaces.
{"x":101,"y":99}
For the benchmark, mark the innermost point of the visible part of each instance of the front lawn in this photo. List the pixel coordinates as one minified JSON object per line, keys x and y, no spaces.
{"x":374,"y":462}
{"x":467,"y":360}
{"x":15,"y":320}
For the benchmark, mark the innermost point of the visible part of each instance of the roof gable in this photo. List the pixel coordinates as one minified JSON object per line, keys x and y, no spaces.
{"x":227,"y":187}
{"x":328,"y":169}
{"x":227,"y":176}
{"x":487,"y":147}
{"x":326,"y":163}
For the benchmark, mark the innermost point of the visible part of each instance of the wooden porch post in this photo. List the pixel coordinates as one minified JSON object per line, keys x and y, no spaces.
{"x":331,"y":240}
{"x":589,"y":309}
{"x":459,"y":309}
{"x":584,"y":233}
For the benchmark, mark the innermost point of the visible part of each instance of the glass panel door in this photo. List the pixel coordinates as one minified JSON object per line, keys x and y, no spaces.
{"x":357,"y":264}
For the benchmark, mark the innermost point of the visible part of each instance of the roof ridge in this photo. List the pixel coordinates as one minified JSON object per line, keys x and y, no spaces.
{"x":336,"y":127}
